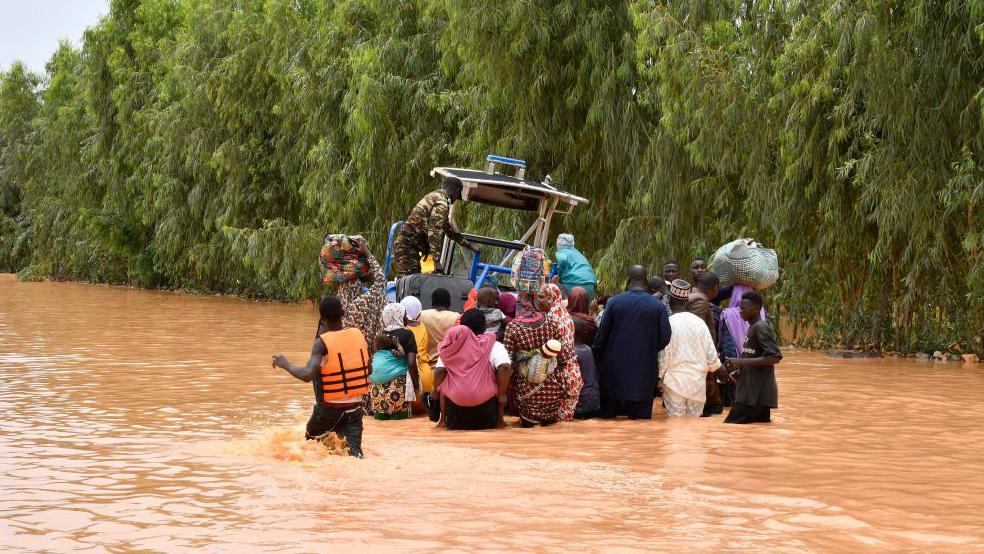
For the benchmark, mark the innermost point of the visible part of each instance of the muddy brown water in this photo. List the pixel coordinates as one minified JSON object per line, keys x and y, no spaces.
{"x":138,"y":420}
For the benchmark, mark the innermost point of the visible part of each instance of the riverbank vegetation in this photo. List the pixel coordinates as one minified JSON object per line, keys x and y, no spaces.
{"x":209,"y":145}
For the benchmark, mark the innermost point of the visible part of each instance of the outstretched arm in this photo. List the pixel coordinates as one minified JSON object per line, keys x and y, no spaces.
{"x":378,"y":277}
{"x":755,"y":362}
{"x":771,"y":355}
{"x":436,"y":226}
{"x":441,"y":219}
{"x":306,"y":372}
{"x":440,"y":226}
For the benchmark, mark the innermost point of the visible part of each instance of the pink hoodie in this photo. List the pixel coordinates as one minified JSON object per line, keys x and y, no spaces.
{"x":471,"y":377}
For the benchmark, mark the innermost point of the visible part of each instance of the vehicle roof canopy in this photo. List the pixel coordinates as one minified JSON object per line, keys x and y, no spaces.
{"x":506,"y":191}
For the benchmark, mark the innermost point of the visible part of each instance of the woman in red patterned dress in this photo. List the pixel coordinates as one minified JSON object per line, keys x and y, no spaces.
{"x":545,"y":402}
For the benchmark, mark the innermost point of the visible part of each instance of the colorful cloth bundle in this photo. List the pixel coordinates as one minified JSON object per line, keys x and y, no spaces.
{"x":341,"y":260}
{"x":745,"y":262}
{"x":529,"y":270}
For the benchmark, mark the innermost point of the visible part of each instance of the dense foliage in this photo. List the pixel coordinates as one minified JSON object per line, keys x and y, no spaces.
{"x":209,"y":144}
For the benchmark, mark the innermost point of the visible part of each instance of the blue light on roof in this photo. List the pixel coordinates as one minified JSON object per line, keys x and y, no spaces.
{"x":507,"y":161}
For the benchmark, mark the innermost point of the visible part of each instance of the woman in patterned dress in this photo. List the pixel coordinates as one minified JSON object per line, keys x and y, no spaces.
{"x":391,"y":399}
{"x":545,"y":402}
{"x":363,"y":299}
{"x":565,"y":323}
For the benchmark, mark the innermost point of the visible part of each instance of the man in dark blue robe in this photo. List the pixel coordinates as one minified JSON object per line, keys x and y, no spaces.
{"x":635,"y":328}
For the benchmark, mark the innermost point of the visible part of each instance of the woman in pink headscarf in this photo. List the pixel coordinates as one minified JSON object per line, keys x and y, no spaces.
{"x":471,"y":375}
{"x":507,"y":305}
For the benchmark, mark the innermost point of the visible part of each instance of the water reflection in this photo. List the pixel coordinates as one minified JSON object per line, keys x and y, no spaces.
{"x":152,"y":420}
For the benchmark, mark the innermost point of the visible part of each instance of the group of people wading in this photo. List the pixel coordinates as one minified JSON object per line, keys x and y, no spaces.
{"x":549,"y":356}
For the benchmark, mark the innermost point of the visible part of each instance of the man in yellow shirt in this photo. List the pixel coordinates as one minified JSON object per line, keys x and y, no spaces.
{"x":437,"y":321}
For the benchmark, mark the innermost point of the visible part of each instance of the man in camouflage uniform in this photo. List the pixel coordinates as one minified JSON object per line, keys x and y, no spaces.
{"x":424,"y":230}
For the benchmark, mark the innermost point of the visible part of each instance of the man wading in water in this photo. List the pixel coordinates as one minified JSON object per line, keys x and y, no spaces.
{"x":757,"y":393}
{"x":635,"y":328}
{"x":339,"y":368}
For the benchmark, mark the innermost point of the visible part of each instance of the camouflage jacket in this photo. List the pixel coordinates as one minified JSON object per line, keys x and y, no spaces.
{"x":428,"y":222}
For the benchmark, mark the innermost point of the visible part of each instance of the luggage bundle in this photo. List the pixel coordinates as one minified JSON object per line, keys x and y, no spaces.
{"x":529,"y":270}
{"x":423,"y":285}
{"x":341,"y":261}
{"x":745,"y":262}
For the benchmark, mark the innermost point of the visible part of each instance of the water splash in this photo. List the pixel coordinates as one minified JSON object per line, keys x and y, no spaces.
{"x":283,"y":443}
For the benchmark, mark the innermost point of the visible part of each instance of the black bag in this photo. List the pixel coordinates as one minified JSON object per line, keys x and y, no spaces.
{"x":422,"y":285}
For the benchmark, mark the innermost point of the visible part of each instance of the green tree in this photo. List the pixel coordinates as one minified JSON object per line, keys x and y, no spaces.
{"x":18,"y":107}
{"x":210,"y":145}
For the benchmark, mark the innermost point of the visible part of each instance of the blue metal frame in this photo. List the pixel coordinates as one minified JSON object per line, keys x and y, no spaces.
{"x":480,"y":271}
{"x":389,"y":248}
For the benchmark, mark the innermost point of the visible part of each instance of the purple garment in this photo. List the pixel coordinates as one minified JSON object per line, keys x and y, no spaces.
{"x":731,"y":317}
{"x":507,"y":304}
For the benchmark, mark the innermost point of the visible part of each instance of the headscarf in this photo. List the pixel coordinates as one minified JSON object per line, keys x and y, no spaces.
{"x":577,"y":306}
{"x":565,"y":333}
{"x":493,"y":319}
{"x":471,"y":378}
{"x":577,"y":300}
{"x":412,"y":306}
{"x":565,"y":240}
{"x":507,"y":303}
{"x":526,"y":309}
{"x":393,"y":315}
{"x":556,"y":298}
{"x":731,"y":317}
{"x":364,"y":307}
{"x":557,"y":311}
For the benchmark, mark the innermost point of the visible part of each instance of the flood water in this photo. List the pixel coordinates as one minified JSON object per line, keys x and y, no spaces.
{"x":140,"y":420}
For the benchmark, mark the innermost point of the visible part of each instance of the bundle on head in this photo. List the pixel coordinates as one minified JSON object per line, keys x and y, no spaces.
{"x":745,"y":262}
{"x":529,"y":270}
{"x":342,"y":261}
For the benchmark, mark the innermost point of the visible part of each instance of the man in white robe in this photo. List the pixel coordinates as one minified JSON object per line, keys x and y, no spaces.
{"x":687,"y":359}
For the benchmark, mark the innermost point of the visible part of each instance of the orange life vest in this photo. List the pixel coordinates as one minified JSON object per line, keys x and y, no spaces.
{"x":345,"y":369}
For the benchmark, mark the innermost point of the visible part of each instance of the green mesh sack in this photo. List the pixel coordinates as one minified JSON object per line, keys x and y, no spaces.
{"x":745,"y":262}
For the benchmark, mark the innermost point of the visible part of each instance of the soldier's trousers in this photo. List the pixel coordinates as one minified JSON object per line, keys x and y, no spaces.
{"x":406,"y":255}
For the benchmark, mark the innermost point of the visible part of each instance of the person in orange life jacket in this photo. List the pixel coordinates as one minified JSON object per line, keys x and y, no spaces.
{"x":339,"y":370}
